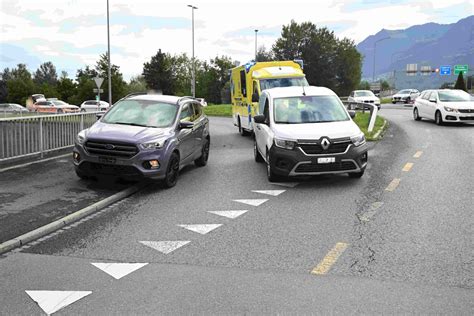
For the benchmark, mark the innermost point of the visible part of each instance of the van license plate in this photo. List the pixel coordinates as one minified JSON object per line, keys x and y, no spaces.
{"x":107,"y":160}
{"x":327,"y":160}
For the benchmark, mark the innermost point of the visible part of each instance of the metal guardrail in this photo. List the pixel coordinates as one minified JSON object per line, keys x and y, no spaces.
{"x":350,"y":105}
{"x":37,"y":135}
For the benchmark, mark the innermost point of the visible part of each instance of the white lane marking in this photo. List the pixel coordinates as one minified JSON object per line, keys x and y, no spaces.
{"x":366,"y":216}
{"x":418,"y":154}
{"x":269,"y":192}
{"x":52,"y":301}
{"x":35,"y":162}
{"x":118,"y":270}
{"x":253,"y":202}
{"x":228,"y":214}
{"x":165,"y":247}
{"x":286,"y":184}
{"x":201,"y":229}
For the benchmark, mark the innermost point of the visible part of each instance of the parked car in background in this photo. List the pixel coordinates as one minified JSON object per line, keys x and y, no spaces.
{"x":94,"y":106}
{"x":363,"y":96}
{"x":444,"y":105}
{"x":12,"y":108}
{"x":406,"y":96}
{"x":307,"y":131}
{"x":54,"y":106}
{"x":144,"y":136}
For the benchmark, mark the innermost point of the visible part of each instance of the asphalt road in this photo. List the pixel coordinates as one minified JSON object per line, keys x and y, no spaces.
{"x":399,"y":240}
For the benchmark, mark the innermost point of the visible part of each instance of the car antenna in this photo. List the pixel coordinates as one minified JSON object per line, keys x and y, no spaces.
{"x":304,"y":92}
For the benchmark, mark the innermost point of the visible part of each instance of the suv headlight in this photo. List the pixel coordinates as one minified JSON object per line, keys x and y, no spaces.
{"x":157,"y":144}
{"x":81,"y":137}
{"x":286,"y":144}
{"x":358,"y":139}
{"x":448,"y":109}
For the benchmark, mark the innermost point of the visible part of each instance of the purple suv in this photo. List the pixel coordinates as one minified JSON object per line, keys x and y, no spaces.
{"x":144,"y":136}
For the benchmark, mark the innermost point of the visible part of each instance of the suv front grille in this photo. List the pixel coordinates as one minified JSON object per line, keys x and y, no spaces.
{"x":316,"y":149}
{"x":330,"y":167}
{"x":112,"y":149}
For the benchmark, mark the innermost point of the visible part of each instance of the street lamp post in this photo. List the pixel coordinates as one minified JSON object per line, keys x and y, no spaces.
{"x":108,"y":56}
{"x":193,"y":70}
{"x":375,"y":46}
{"x":256,"y":31}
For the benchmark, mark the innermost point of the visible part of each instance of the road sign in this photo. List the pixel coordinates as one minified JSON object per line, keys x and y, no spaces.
{"x":98,"y":81}
{"x":445,"y":70}
{"x":412,"y":69}
{"x":425,"y":70}
{"x":98,"y":90}
{"x":460,"y":68}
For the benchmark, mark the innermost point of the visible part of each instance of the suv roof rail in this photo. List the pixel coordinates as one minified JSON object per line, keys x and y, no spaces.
{"x":186,"y":97}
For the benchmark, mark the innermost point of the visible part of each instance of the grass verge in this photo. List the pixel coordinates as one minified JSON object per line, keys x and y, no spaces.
{"x":362,"y":120}
{"x":218,"y":110}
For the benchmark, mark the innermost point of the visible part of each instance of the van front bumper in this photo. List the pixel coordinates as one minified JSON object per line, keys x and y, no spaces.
{"x":296,"y":162}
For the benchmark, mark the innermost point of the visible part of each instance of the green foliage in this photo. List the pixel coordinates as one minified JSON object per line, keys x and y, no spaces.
{"x":329,"y":62}
{"x":460,"y":83}
{"x":46,"y":74}
{"x":384,"y":85}
{"x":363,"y":85}
{"x":67,"y":89}
{"x":19,"y":85}
{"x":362,"y":120}
{"x":218,"y":110}
{"x":136,"y":84}
{"x":264,"y":55}
{"x":158,"y":73}
{"x":119,"y":86}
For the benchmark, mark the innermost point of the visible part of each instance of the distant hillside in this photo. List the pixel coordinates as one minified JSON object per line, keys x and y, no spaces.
{"x":428,"y":44}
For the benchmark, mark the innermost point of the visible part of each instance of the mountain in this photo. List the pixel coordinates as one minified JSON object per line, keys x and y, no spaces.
{"x":429,"y":44}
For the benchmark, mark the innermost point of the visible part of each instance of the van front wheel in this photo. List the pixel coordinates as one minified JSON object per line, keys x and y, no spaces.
{"x":272,"y":177}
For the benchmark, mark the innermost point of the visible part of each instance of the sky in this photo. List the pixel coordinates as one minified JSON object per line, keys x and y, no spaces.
{"x":73,"y":33}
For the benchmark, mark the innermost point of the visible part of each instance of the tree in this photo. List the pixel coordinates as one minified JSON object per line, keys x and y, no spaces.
{"x":384,"y":85}
{"x":264,"y":55}
{"x":363,"y":85}
{"x":4,"y":77}
{"x":85,"y":85}
{"x":158,"y":73}
{"x":460,"y":84}
{"x":137,"y":84}
{"x":66,"y":88}
{"x":46,"y":73}
{"x":329,"y":62}
{"x":118,"y":84}
{"x":212,"y":78}
{"x":20,"y":85}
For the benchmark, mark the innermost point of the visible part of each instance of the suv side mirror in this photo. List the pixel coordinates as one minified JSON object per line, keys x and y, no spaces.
{"x":255,"y":97}
{"x":352,"y":113}
{"x":99,"y":115}
{"x":186,"y":125}
{"x":260,"y":119}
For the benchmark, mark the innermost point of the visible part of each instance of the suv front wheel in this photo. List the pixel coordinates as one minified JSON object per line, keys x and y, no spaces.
{"x":172,"y":172}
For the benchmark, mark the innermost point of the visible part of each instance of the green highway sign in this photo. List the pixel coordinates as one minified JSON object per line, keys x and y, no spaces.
{"x":460,"y":68}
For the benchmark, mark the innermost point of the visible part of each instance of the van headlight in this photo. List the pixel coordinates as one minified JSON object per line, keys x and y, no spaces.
{"x":157,"y":144}
{"x":81,"y":137}
{"x":286,"y":144}
{"x":358,"y":139}
{"x":448,"y":109}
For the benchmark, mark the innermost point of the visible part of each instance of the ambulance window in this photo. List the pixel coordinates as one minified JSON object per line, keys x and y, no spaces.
{"x":243,"y":83}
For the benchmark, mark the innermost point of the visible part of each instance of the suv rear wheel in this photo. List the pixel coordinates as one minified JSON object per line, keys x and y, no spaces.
{"x":172,"y":172}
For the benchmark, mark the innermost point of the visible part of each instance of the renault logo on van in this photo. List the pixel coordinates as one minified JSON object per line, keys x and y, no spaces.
{"x":325,"y":143}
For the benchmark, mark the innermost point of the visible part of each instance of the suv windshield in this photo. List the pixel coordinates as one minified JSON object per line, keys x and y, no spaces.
{"x":282,"y":82}
{"x":142,"y":113}
{"x":309,"y":109}
{"x":363,"y":94}
{"x":454,"y":96}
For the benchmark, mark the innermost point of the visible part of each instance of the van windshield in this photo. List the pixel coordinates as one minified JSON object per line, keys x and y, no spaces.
{"x":141,"y":113}
{"x":282,"y":82}
{"x":309,"y":109}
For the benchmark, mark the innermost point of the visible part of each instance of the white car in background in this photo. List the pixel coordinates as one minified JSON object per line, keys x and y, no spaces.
{"x":405,"y":96}
{"x":94,"y":106}
{"x":444,"y":105}
{"x":364,"y":96}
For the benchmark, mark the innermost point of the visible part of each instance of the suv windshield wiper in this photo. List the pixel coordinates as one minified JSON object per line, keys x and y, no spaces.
{"x":125,"y":123}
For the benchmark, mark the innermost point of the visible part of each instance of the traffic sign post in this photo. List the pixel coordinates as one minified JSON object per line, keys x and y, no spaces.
{"x":461,"y":68}
{"x":98,"y":82}
{"x":445,"y":71}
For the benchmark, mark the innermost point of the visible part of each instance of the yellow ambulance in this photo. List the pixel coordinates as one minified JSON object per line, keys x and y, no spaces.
{"x":249,"y":80}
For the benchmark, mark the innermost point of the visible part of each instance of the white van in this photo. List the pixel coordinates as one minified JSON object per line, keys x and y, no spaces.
{"x":307,"y":131}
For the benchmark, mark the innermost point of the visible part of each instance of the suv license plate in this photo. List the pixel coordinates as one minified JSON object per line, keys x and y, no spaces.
{"x":107,"y":160}
{"x":327,"y":160}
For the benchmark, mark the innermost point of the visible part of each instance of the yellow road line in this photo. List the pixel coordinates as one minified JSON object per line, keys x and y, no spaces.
{"x":417,"y":154}
{"x":325,"y":265}
{"x":408,"y":166}
{"x":393,"y":185}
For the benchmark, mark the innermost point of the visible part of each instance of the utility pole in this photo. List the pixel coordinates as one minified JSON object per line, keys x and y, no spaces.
{"x":108,"y":55}
{"x":256,"y":31}
{"x":193,"y":66}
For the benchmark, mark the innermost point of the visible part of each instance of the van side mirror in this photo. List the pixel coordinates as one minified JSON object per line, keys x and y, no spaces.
{"x":260,"y":119}
{"x":352,"y":113}
{"x":255,"y":97}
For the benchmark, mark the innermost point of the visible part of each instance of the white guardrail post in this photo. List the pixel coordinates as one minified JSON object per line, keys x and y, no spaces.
{"x":41,"y":136}
{"x":373,"y":117}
